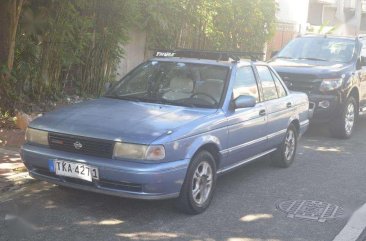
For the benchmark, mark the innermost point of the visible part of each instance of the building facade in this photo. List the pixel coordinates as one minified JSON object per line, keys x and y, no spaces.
{"x":347,"y":16}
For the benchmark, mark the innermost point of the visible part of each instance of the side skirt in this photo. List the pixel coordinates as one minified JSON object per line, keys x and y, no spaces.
{"x":246,"y":161}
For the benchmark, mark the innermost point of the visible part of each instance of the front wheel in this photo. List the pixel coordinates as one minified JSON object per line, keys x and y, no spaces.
{"x":284,"y":156}
{"x":199,"y":184}
{"x":343,"y":126}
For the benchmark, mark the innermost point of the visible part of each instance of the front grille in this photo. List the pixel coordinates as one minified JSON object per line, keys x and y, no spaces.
{"x":81,"y":145}
{"x":301,"y":82}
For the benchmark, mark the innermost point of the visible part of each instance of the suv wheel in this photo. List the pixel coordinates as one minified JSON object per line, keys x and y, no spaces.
{"x":284,"y":156}
{"x":197,"y":190}
{"x":343,"y":126}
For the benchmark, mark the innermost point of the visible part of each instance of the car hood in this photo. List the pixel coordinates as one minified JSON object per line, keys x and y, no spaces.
{"x":316,"y":69}
{"x":119,"y":120}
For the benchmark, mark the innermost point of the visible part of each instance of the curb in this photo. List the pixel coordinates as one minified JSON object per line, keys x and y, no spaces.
{"x":355,"y":227}
{"x":362,"y":237}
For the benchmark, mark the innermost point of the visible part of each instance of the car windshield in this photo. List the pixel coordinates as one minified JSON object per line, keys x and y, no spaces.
{"x":174,"y":83}
{"x":319,"y":49}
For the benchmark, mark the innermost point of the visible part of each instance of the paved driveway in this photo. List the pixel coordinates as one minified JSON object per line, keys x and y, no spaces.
{"x":244,"y":208}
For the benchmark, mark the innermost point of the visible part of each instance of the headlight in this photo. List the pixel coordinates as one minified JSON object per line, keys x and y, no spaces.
{"x":139,"y":152}
{"x":36,"y":136}
{"x":331,"y":84}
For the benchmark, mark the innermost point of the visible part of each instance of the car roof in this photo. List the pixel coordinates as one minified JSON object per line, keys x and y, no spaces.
{"x":210,"y":57}
{"x":228,"y":63}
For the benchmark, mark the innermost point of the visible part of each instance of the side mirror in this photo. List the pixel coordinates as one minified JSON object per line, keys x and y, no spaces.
{"x":274,"y":53}
{"x":244,"y":101}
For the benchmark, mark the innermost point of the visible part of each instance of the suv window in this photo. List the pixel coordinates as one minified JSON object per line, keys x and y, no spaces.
{"x":279,"y":86}
{"x":245,"y":83}
{"x":268,"y":84}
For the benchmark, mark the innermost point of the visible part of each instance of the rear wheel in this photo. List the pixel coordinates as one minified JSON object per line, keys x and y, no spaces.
{"x":197,"y":190}
{"x":284,"y":156}
{"x":343,"y":126}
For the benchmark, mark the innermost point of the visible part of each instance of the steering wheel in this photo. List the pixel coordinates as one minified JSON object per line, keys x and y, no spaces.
{"x":204,"y":94}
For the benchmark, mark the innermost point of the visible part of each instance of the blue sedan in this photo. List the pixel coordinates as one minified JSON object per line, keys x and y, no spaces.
{"x":168,"y":129}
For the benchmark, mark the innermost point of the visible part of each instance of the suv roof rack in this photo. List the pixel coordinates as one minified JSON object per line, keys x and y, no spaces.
{"x":205,"y":54}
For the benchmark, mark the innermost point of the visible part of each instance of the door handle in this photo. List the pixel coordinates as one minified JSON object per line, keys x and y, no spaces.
{"x":262,"y":112}
{"x":289,"y":105}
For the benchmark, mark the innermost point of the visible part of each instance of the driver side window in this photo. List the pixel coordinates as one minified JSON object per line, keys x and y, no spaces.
{"x":245,"y":83}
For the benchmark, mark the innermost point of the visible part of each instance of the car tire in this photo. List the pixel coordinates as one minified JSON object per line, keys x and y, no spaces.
{"x":198,"y":187}
{"x":284,"y":156}
{"x":343,"y":126}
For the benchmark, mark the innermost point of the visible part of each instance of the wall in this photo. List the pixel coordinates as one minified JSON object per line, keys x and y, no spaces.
{"x":295,"y":12}
{"x":134,"y":53}
{"x":292,"y":16}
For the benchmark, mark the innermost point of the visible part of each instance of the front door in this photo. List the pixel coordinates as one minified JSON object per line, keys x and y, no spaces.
{"x":247,"y":136}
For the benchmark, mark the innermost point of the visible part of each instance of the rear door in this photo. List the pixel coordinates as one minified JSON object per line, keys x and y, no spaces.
{"x":278,"y":105}
{"x":246,"y":126}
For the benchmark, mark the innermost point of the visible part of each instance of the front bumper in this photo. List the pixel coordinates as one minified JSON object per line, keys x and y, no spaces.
{"x":119,"y":178}
{"x":322,"y":115}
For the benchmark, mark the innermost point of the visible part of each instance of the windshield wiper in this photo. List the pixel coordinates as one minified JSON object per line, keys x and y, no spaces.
{"x":136,"y":99}
{"x":316,"y":59}
{"x":284,"y":57}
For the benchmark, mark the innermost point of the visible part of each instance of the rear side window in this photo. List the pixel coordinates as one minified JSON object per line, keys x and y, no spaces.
{"x":268,"y":84}
{"x":245,"y":83}
{"x":279,"y":86}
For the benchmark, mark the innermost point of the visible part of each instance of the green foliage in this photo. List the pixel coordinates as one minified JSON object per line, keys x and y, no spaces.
{"x":73,"y":46}
{"x":214,"y":24}
{"x":68,"y":46}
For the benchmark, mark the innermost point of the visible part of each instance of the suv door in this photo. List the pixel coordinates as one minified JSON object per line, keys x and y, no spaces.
{"x":247,"y":136}
{"x":278,"y":105}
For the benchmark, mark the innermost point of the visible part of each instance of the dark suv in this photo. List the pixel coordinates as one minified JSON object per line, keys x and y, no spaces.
{"x":330,"y":69}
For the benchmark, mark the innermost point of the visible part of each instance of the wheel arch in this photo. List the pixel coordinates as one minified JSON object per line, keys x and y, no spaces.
{"x":211,"y":144}
{"x":214,"y":150}
{"x":296,"y":123}
{"x":355,"y":93}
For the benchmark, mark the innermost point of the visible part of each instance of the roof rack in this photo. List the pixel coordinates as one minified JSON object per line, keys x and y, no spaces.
{"x":204,"y":54}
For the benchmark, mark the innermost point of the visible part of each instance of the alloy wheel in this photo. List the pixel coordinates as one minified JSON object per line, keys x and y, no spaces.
{"x":202,"y":183}
{"x":290,"y":144}
{"x":349,"y":118}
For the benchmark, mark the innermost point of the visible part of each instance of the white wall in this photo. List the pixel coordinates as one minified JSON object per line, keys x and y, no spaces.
{"x":294,"y":11}
{"x":134,"y":53}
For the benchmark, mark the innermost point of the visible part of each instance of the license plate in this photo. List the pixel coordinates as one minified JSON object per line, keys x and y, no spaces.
{"x":72,"y":169}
